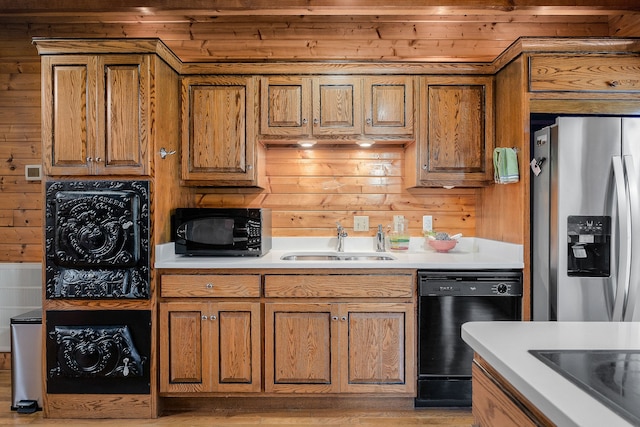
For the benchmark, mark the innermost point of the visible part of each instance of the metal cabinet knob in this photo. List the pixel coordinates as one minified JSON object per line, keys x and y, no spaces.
{"x":316,"y":121}
{"x":212,"y":317}
{"x":369,"y":121}
{"x":164,"y":153}
{"x":204,"y":317}
{"x":334,"y":318}
{"x":209,"y":285}
{"x":98,"y":159}
{"x":89,"y":159}
{"x":305,"y":121}
{"x":343,"y":318}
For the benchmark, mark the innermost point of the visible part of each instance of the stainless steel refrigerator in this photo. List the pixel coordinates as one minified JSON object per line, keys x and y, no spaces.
{"x":586,"y":219}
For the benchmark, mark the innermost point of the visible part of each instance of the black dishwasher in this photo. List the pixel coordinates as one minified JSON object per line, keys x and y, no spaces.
{"x":448,"y":299}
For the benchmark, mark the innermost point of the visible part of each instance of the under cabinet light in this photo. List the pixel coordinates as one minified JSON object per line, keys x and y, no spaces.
{"x":365,"y":143}
{"x":307,"y":143}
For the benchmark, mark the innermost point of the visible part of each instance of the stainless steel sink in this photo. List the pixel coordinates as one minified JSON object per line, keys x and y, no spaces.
{"x":336,"y":256}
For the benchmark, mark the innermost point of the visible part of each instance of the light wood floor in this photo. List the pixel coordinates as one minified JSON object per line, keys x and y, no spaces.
{"x":332,"y":418}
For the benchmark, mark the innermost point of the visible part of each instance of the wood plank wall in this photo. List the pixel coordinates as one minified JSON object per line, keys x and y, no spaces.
{"x":309,"y":190}
{"x":20,"y":200}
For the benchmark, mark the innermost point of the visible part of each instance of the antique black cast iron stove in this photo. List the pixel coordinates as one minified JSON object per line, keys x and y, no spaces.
{"x":97,"y":239}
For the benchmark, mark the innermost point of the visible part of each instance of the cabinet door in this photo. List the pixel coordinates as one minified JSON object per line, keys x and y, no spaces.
{"x":123,"y":139}
{"x":285,"y":106}
{"x":378,"y":351}
{"x":457,"y":131}
{"x":236,"y":347}
{"x":388,"y":105}
{"x":68,"y":113}
{"x":583,"y":73}
{"x":185,"y":356}
{"x":300,"y":348}
{"x":218,"y":140}
{"x":337,"y":106}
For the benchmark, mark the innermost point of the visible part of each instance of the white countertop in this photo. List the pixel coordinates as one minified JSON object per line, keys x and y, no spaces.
{"x":470,"y":253}
{"x":505,"y":346}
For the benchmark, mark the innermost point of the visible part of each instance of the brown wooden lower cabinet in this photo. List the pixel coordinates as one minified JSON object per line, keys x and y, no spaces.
{"x":344,"y":333}
{"x":495,"y":402}
{"x":339,"y":348}
{"x":210,"y":347}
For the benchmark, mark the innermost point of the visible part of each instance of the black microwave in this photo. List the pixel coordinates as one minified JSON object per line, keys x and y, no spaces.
{"x":221,"y":231}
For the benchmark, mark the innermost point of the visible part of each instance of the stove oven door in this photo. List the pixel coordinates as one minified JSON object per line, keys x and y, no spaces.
{"x":97,"y":239}
{"x":102,"y":352}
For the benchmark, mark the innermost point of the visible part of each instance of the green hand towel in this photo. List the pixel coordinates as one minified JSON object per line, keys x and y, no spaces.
{"x":505,"y":165}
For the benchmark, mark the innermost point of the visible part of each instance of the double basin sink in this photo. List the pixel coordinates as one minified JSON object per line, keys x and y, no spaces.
{"x":337,"y":256}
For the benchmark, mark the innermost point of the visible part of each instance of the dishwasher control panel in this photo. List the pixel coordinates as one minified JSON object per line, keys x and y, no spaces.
{"x":470,"y":283}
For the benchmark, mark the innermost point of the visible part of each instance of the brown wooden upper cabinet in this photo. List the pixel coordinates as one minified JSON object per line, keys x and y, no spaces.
{"x":388,"y":105}
{"x":584,"y":73}
{"x":456,"y":133}
{"x":95,"y":114}
{"x":219,"y":144}
{"x":298,"y":106}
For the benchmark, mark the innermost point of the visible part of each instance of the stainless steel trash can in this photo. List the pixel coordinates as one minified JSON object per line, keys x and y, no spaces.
{"x":26,"y":362}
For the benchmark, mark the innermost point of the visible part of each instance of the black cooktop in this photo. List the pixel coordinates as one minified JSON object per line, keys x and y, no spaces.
{"x":610,"y":376}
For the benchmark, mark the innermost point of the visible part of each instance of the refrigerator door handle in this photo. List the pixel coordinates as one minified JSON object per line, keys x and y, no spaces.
{"x":634,"y":204}
{"x":624,"y":260}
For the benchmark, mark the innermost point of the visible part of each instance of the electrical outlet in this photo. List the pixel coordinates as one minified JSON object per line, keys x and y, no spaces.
{"x":427,"y":223}
{"x":361,"y":223}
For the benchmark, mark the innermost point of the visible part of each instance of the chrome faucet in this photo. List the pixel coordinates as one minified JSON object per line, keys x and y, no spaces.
{"x":342,"y":233}
{"x":380,"y":246}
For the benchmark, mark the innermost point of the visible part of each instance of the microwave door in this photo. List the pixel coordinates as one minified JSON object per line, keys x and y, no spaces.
{"x":208,"y":231}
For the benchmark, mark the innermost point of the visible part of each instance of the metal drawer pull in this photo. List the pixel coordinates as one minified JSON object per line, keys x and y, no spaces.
{"x":209,"y":285}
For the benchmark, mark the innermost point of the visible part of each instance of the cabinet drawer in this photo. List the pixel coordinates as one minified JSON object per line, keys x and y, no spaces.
{"x":339,"y":285}
{"x":565,"y":73}
{"x":211,"y":285}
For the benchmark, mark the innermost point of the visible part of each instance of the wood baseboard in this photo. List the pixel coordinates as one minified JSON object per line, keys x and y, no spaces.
{"x":98,"y":406}
{"x":5,"y":361}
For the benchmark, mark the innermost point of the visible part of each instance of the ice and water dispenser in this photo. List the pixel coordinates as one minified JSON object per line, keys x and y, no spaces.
{"x":589,"y":246}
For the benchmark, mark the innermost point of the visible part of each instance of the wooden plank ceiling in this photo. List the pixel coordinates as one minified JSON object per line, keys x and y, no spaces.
{"x":327,"y":30}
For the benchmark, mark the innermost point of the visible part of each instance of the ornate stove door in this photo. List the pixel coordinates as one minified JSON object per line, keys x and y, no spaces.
{"x":97,"y":239}
{"x":98,"y":351}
